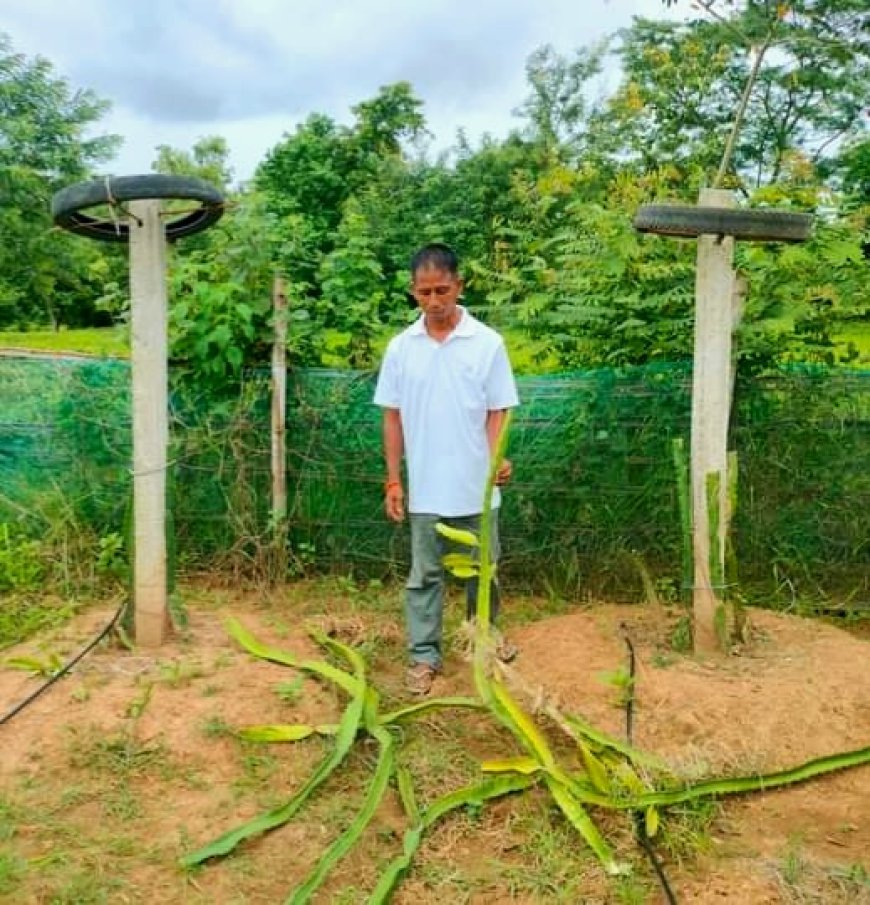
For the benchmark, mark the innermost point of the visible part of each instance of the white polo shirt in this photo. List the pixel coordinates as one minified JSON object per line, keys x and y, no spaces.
{"x":444,"y":392}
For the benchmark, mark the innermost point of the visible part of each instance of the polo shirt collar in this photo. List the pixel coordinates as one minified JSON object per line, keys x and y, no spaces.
{"x":467,"y":325}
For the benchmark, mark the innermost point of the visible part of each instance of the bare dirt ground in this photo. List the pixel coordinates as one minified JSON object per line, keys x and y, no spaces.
{"x":130,"y":762}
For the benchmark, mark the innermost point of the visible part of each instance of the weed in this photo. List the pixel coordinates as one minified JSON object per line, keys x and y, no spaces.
{"x":622,"y":681}
{"x":681,"y":635}
{"x":686,"y":832}
{"x":349,"y":896}
{"x":550,"y":870}
{"x":223,"y":660}
{"x":12,"y":870}
{"x":121,"y":803}
{"x":278,"y":626}
{"x":216,"y":726}
{"x":525,"y":610}
{"x":35,"y":666}
{"x":111,"y":560}
{"x":88,"y":888}
{"x":853,"y":875}
{"x":793,"y":864}
{"x":118,"y":755}
{"x":631,"y":891}
{"x":71,"y":796}
{"x":668,"y":589}
{"x":81,"y":694}
{"x":21,"y":561}
{"x":289,"y":692}
{"x":179,"y":674}
{"x":23,"y":615}
{"x":805,"y":882}
{"x":178,"y":611}
{"x":9,"y":817}
{"x":139,"y":704}
{"x":257,"y":771}
{"x":302,"y":557}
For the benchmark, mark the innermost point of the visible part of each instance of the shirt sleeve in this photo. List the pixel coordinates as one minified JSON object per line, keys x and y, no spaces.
{"x":387,"y":393}
{"x":501,"y":389}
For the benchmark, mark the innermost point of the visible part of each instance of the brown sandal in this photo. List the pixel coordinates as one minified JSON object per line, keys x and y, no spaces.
{"x":419,"y":678}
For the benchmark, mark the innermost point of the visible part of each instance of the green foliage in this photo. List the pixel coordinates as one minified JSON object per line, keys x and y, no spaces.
{"x":36,"y":666}
{"x":45,"y":142}
{"x":683,"y":81}
{"x":542,"y":217}
{"x":99,"y":341}
{"x":22,"y":563}
{"x":221,"y":308}
{"x":352,"y":286}
{"x":208,"y":160}
{"x":556,"y":109}
{"x":802,"y":297}
{"x":24,"y":615}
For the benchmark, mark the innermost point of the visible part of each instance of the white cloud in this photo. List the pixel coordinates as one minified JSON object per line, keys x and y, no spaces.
{"x":252,"y":69}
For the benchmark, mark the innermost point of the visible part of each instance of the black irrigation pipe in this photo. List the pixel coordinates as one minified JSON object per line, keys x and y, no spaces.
{"x":640,"y":832}
{"x":65,"y":669}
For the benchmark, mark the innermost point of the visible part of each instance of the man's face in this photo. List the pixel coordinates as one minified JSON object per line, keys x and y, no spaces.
{"x":437,"y":292}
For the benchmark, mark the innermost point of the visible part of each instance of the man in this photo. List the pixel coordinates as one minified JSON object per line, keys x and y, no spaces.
{"x":445,"y":386}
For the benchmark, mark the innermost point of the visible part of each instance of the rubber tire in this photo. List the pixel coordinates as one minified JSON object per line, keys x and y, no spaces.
{"x":67,"y":204}
{"x":688,"y":221}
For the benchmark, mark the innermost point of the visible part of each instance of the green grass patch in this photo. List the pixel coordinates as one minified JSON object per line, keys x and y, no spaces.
{"x":22,"y":616}
{"x":859,"y":336}
{"x":98,"y":341}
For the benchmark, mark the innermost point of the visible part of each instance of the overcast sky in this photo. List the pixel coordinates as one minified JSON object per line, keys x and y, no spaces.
{"x":250,"y":70}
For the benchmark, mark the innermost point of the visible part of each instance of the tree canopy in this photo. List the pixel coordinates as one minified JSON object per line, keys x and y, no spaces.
{"x":541,"y":216}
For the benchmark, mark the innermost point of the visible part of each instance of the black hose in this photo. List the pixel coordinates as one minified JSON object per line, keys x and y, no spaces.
{"x":66,"y":668}
{"x":629,"y":693}
{"x":646,"y":844}
{"x":640,"y":832}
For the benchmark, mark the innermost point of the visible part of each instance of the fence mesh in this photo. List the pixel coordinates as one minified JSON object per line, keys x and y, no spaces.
{"x":593,"y":502}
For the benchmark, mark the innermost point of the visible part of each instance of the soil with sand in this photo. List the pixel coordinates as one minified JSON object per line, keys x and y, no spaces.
{"x":799,"y":689}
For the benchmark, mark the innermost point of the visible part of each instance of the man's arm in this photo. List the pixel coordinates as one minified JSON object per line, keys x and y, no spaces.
{"x":394,"y":446}
{"x":494,"y":421}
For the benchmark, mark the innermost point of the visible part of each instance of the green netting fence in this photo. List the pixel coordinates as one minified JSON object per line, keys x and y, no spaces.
{"x":592,"y":507}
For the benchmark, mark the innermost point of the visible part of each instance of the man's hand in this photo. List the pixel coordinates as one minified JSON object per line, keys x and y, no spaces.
{"x":505,"y":470}
{"x":394,"y":501}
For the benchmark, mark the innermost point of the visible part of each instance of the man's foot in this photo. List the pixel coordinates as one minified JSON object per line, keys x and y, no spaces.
{"x":419,"y":678}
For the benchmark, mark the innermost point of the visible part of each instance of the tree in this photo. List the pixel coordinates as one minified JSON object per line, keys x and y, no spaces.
{"x":352,"y":287}
{"x":313,"y":172}
{"x":683,"y":84}
{"x":309,"y":173}
{"x":208,"y":159}
{"x":384,"y":122}
{"x":221,"y":300}
{"x":44,"y":145}
{"x":556,"y":109}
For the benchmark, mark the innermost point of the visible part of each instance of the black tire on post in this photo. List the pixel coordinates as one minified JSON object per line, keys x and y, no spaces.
{"x":67,"y":204}
{"x":688,"y":221}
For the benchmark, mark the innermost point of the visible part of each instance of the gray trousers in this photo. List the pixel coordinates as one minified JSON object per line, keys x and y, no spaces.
{"x":424,"y":590}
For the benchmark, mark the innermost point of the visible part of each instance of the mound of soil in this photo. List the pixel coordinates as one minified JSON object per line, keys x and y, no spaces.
{"x":799,"y":689}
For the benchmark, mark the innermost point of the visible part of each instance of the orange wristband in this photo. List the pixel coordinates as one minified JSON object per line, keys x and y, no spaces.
{"x":390,"y":484}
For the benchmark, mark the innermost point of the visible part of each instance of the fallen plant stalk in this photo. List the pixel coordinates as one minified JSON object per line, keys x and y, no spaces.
{"x":609,"y":774}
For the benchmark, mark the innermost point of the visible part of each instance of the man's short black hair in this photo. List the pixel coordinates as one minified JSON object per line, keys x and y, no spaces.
{"x":436,"y":255}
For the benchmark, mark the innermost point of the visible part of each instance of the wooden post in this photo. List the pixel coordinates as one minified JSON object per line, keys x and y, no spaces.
{"x":150,"y":419}
{"x":279,"y":409}
{"x":711,"y":398}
